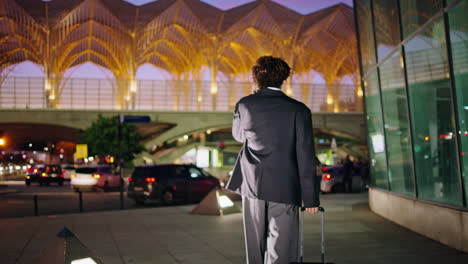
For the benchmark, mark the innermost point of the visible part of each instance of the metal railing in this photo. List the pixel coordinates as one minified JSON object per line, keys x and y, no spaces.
{"x":162,"y":95}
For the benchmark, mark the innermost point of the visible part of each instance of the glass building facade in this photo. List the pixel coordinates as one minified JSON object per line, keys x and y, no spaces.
{"x":414,"y":69}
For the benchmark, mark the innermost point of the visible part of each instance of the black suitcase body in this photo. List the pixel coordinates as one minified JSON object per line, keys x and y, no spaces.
{"x":301,"y":238}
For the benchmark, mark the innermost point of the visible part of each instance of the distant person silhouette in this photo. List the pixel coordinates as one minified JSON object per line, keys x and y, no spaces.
{"x":347,"y":174}
{"x":275,"y":171}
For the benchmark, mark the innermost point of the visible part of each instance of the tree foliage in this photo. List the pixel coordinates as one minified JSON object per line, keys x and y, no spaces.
{"x":102,"y":139}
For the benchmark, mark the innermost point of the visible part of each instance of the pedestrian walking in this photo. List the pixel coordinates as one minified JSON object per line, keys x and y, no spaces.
{"x":275,"y":171}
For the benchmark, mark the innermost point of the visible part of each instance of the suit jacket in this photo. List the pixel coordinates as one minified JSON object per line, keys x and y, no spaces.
{"x":277,"y":161}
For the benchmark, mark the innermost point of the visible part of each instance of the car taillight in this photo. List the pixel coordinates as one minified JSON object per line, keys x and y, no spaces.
{"x":129,"y":179}
{"x":44,"y":174}
{"x":48,"y":169}
{"x":62,"y":176}
{"x":327,"y":177}
{"x":97,"y":175}
{"x":324,"y":168}
{"x":30,"y":170}
{"x":151,"y":180}
{"x":64,"y":171}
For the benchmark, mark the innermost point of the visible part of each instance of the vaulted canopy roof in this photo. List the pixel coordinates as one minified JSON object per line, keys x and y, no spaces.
{"x":179,"y":36}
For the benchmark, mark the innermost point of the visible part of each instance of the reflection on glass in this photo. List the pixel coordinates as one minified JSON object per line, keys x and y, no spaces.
{"x":433,"y":122}
{"x":414,"y":13}
{"x":459,"y":45}
{"x":366,"y":35}
{"x":376,"y":133}
{"x":397,"y":131}
{"x":387,"y":27}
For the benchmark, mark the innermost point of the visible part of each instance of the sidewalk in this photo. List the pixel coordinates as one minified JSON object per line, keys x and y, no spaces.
{"x":171,"y":235}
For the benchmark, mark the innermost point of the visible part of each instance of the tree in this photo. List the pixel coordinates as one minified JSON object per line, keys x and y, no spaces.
{"x":102,"y":139}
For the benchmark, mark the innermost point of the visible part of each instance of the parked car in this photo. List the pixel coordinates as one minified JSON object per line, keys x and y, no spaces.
{"x":95,"y":177}
{"x":45,"y":174}
{"x":169,"y":183}
{"x":68,"y":170}
{"x":333,"y":179}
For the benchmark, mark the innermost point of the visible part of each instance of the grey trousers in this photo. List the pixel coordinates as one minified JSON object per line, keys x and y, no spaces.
{"x":271,"y":231}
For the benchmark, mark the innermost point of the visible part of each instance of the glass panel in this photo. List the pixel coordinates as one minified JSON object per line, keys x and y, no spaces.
{"x":415,"y":13}
{"x":366,"y":34}
{"x":376,"y":133}
{"x":397,"y":131}
{"x":433,"y":121}
{"x":459,"y":37}
{"x":387,"y":27}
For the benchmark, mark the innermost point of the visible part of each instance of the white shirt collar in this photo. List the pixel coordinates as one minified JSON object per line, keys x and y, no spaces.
{"x":274,"y":88}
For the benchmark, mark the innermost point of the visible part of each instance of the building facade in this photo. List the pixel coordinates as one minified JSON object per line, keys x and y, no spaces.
{"x":414,"y":71}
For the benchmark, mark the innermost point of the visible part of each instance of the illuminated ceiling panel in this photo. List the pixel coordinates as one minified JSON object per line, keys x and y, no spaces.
{"x":180,"y":36}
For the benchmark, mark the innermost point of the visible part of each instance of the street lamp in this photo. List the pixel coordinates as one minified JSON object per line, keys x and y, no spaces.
{"x":2,"y":142}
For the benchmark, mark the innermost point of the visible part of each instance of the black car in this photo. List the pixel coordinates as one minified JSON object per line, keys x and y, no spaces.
{"x":169,"y":183}
{"x":45,"y":174}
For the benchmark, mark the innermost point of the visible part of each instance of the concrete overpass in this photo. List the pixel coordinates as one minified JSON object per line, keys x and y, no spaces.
{"x":348,"y":125}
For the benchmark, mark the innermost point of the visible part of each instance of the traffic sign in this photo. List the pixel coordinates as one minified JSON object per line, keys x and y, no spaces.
{"x":134,"y":119}
{"x":81,"y":151}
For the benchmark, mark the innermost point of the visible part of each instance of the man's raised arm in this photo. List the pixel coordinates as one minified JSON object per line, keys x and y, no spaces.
{"x":237,"y":130}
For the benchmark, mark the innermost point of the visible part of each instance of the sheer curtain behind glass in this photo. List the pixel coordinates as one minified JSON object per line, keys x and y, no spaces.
{"x":433,"y":120}
{"x":397,"y":131}
{"x":376,"y":132}
{"x":459,"y":46}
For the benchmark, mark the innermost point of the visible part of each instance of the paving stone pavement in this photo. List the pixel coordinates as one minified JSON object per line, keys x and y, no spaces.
{"x":172,"y":235}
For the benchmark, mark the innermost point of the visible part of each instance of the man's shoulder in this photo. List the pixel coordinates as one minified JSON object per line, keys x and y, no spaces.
{"x":246,"y":100}
{"x":299,"y":106}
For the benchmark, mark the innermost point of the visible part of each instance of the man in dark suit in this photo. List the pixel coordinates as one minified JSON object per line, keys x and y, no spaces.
{"x":275,"y":169}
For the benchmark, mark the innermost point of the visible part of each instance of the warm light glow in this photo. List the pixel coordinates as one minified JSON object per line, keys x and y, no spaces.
{"x":52,"y":97}
{"x":427,"y":138}
{"x":2,"y":142}
{"x":360,"y":93}
{"x":83,"y":261}
{"x":186,"y":137}
{"x":329,"y":100}
{"x":402,"y":65}
{"x":208,"y":132}
{"x":73,"y":176}
{"x":47,"y":85}
{"x":224,"y":201}
{"x":96,"y":176}
{"x":199,"y":99}
{"x":214,"y":88}
{"x":133,"y":86}
{"x":127,"y":97}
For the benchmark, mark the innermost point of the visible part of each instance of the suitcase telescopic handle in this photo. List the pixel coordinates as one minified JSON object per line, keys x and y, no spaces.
{"x":321,"y":209}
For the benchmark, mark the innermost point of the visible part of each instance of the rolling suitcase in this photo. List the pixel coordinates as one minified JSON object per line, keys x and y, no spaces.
{"x":301,"y":238}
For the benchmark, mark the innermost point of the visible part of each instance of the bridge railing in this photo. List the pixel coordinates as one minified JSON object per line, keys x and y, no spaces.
{"x":161,"y":95}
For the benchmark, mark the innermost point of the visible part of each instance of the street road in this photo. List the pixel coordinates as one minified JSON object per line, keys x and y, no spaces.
{"x":55,"y":199}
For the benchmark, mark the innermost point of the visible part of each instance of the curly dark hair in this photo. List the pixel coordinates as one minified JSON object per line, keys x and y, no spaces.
{"x":270,"y":71}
